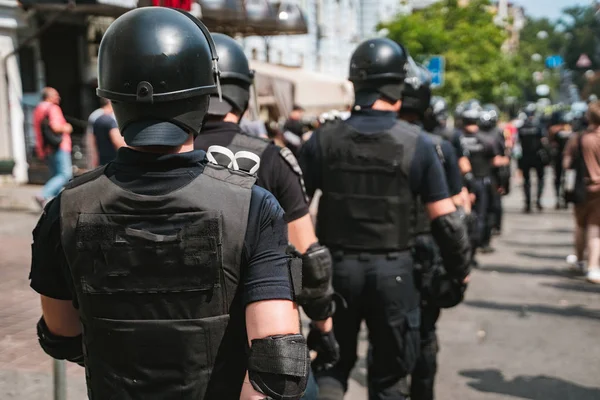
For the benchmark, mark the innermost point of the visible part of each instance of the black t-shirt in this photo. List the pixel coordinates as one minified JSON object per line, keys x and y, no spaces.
{"x":455,"y":140}
{"x":102,"y":127}
{"x":451,"y":168}
{"x":426,"y":176}
{"x":264,"y":260}
{"x":275,"y":173}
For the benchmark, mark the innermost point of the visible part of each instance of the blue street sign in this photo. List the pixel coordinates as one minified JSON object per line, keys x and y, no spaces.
{"x":554,"y":61}
{"x":436,"y":65}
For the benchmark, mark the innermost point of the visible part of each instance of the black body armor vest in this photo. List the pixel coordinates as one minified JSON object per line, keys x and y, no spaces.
{"x":530,"y":136}
{"x":367,"y":200}
{"x":479,"y":157}
{"x":155,"y":278}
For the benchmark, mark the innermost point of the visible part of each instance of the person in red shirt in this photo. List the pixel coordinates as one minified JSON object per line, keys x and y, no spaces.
{"x":58,"y":158}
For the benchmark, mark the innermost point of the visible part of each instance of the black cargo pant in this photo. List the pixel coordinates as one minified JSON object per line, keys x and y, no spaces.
{"x":482,"y":208}
{"x":427,"y":256}
{"x":379,"y":289}
{"x":558,"y":174}
{"x":526,"y":165}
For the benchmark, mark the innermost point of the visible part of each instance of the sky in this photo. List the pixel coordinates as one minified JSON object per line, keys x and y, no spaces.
{"x":548,"y":8}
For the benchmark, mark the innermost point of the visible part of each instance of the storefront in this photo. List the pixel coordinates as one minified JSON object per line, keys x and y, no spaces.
{"x":56,"y":45}
{"x":12,"y":145}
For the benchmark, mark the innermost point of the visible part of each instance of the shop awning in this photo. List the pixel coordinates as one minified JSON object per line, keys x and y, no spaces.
{"x":108,"y":8}
{"x":234,"y":17}
{"x":253,"y":17}
{"x":284,"y":87}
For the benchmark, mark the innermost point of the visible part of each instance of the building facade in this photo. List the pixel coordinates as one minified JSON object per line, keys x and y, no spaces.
{"x":335,"y":27}
{"x":12,"y":140}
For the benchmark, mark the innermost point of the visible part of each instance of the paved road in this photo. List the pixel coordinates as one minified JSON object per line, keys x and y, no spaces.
{"x":527,"y":330}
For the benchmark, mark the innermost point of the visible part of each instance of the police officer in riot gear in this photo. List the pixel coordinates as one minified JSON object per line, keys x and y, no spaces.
{"x":437,"y":288}
{"x":370,"y":168}
{"x":481,"y":152}
{"x":280,"y":174}
{"x":559,"y":133}
{"x":488,"y":124}
{"x":531,"y":138}
{"x":164,"y":274}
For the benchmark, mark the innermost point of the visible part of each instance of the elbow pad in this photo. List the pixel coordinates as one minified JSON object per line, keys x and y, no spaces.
{"x":60,"y":347}
{"x":316,"y":297}
{"x":451,"y":235}
{"x":278,"y":366}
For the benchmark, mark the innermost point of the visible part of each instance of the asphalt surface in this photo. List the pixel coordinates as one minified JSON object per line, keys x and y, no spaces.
{"x":528,"y":329}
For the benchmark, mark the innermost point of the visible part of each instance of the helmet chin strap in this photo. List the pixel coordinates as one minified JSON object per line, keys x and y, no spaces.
{"x":217,"y":77}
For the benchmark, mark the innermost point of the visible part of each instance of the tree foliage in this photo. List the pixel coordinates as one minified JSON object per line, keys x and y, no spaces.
{"x":469,"y":41}
{"x":471,"y":44}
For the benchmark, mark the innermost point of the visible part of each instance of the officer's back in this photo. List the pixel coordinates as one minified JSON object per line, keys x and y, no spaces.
{"x":172,"y":264}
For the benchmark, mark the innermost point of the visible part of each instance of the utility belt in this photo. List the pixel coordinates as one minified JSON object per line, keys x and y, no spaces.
{"x":339,"y":255}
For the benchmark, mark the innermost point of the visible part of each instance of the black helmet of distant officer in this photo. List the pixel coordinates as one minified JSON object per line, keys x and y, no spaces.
{"x":417,"y":93}
{"x":236,"y":78}
{"x":377,"y":69}
{"x":436,"y":118}
{"x":488,"y":120}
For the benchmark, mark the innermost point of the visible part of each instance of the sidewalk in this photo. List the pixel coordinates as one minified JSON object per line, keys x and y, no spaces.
{"x":15,"y":197}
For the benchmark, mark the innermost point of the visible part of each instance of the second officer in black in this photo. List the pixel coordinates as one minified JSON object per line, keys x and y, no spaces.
{"x":370,"y":168}
{"x":280,"y":174}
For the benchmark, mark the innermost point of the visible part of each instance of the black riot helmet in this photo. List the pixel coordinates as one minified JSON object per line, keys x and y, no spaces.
{"x":416,"y":95}
{"x":558,"y":117}
{"x":158,"y":66}
{"x":470,"y":112}
{"x":236,"y":77}
{"x":530,"y":110}
{"x":489,"y":117}
{"x":439,"y":109}
{"x":378,"y":69}
{"x":436,"y":115}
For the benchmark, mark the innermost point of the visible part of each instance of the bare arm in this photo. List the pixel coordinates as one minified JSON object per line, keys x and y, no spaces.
{"x":501,"y":161}
{"x":465,"y":165}
{"x":61,"y":317}
{"x":116,"y":139}
{"x":301,"y":233}
{"x":92,"y":149}
{"x":439,"y":208}
{"x":566,"y":162}
{"x":268,"y":318}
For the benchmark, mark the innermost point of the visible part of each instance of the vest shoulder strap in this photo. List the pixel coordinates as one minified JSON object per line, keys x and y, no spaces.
{"x":408,"y":135}
{"x":245,"y":142}
{"x":291,"y":160}
{"x":86,"y":177}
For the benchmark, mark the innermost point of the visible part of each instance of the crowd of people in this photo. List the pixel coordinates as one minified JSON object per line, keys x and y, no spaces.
{"x":175,"y":268}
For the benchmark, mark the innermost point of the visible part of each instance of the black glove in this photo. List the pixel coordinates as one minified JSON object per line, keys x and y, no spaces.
{"x":327,"y":348}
